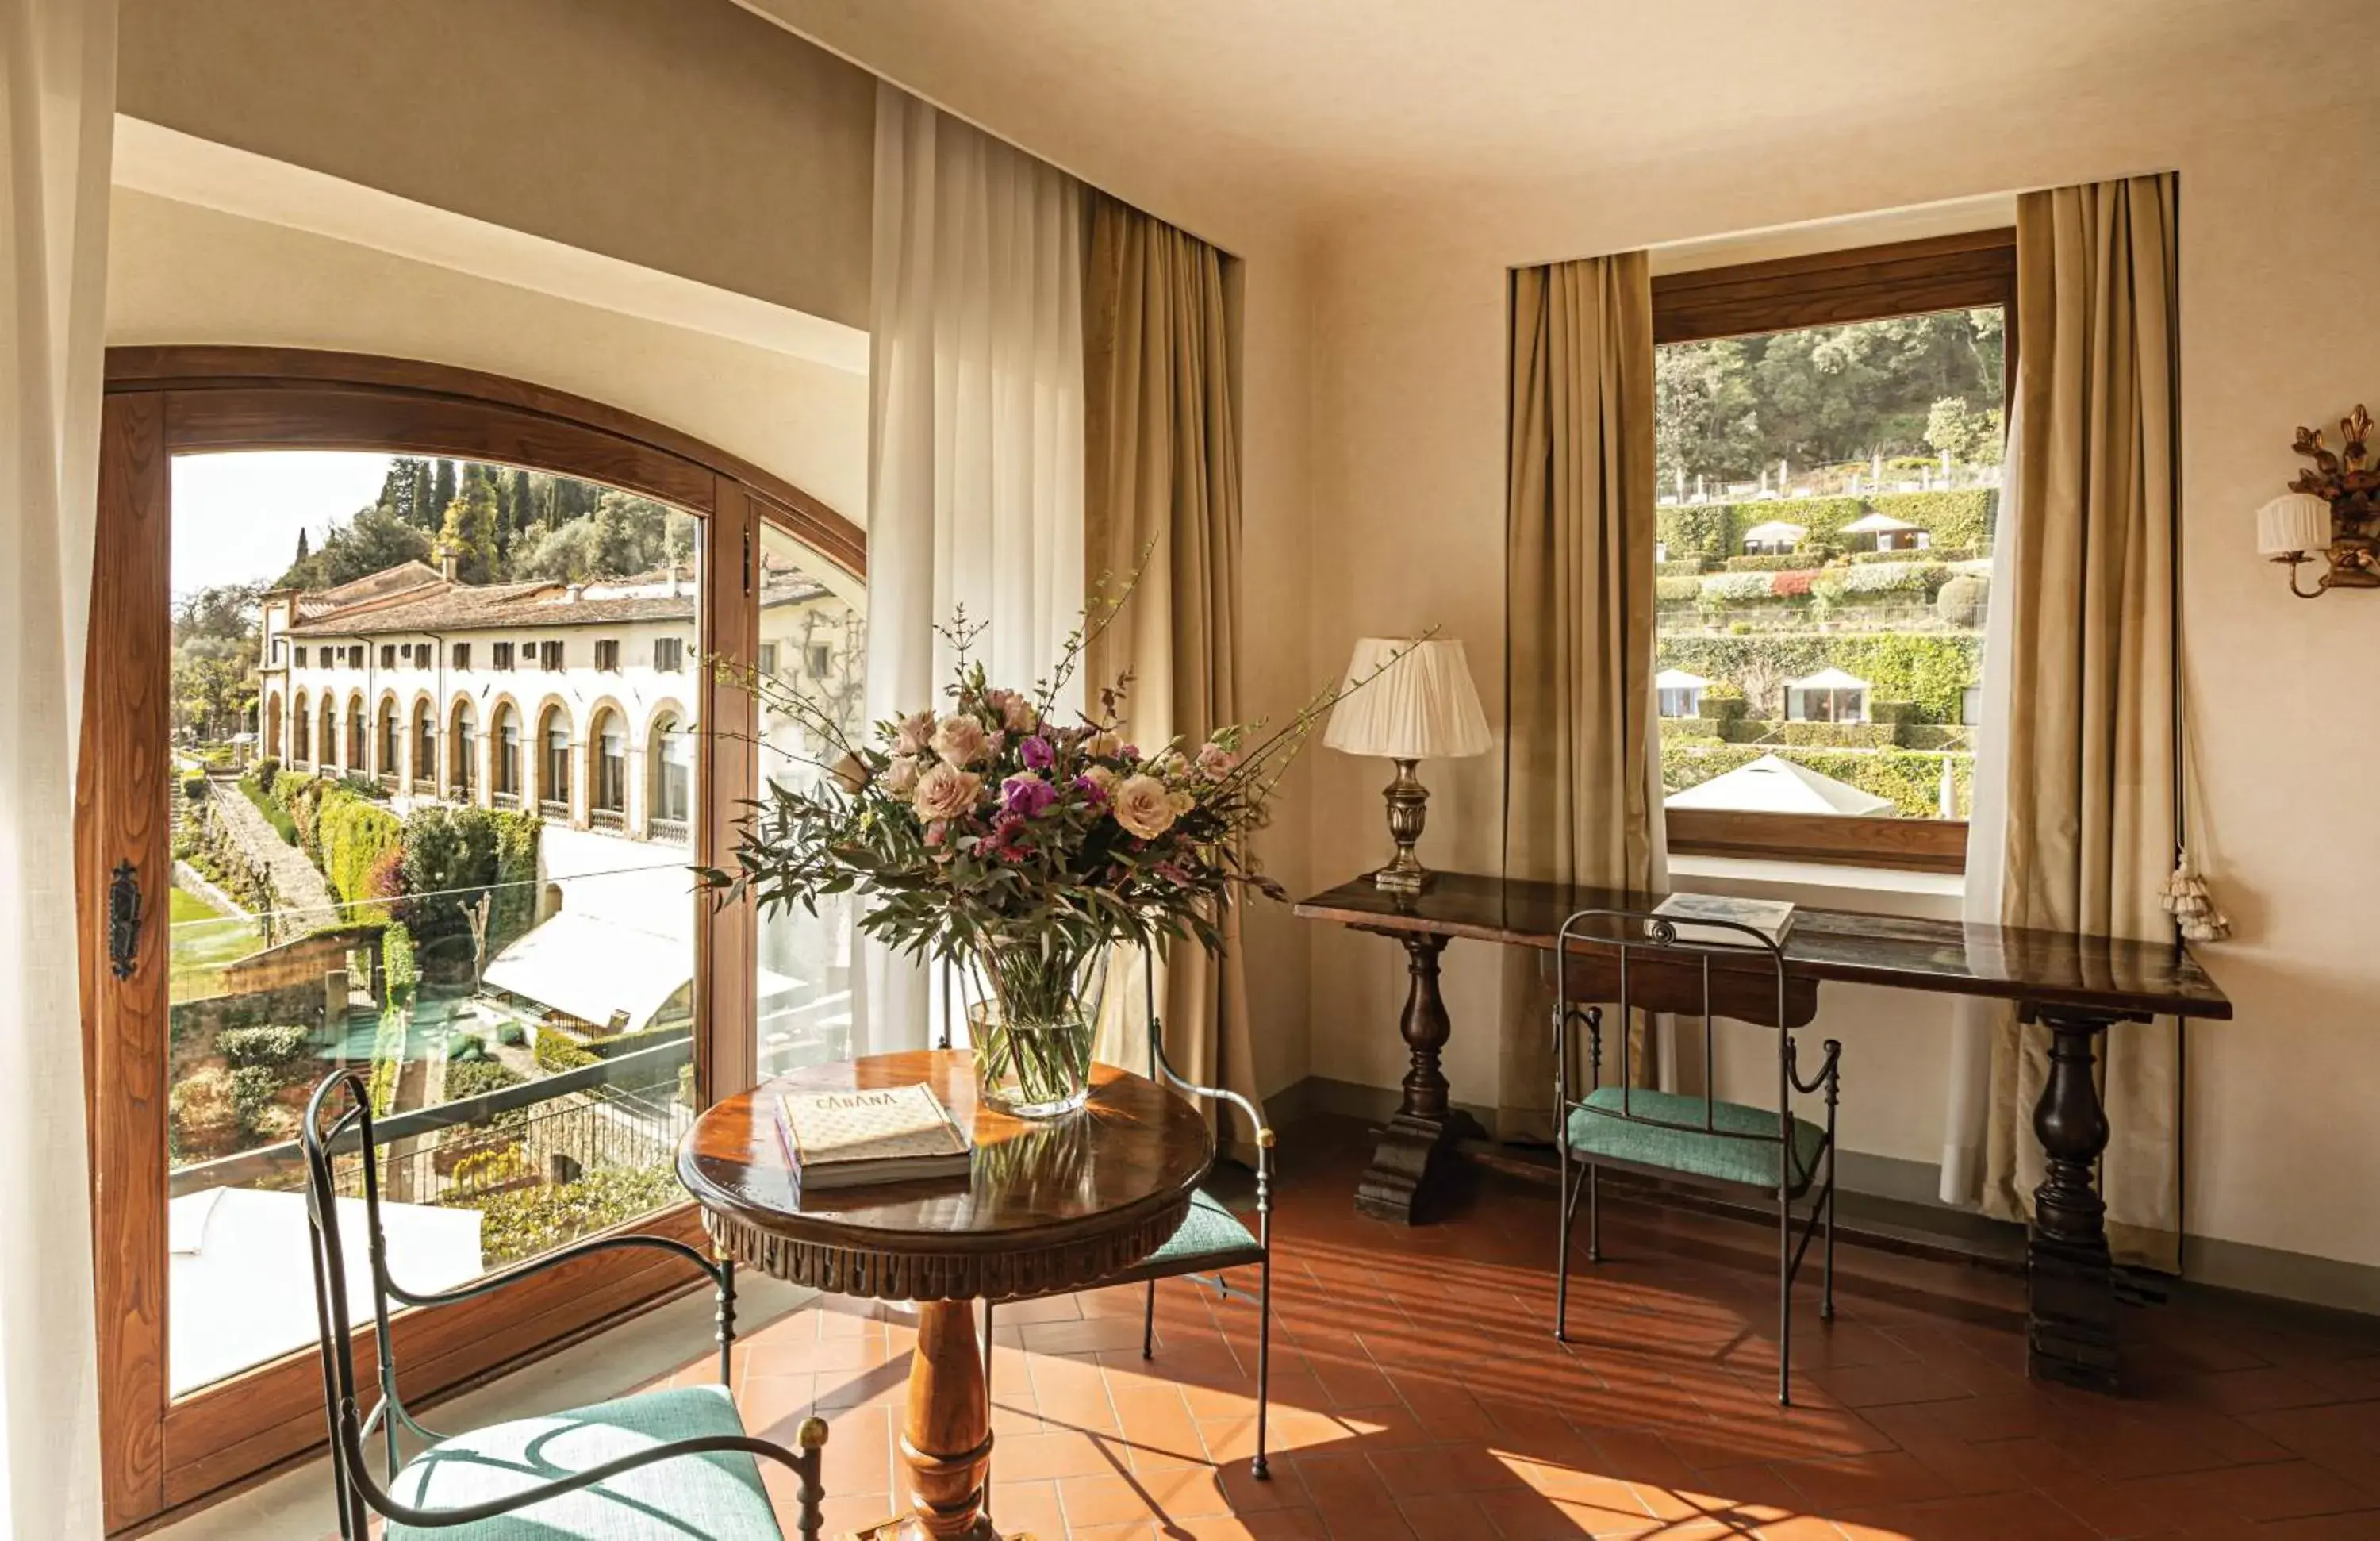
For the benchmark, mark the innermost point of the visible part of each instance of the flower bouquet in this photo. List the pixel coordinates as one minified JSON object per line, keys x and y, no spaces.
{"x":994,"y":835}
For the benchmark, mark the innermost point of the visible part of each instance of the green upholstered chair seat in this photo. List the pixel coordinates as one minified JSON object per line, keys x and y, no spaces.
{"x":1605,"y":1135}
{"x":1208,"y":1231}
{"x":693,"y":1498}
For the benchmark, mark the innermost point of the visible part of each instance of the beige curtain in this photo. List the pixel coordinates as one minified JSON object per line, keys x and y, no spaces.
{"x":1579,"y":746}
{"x":2090,"y":834}
{"x":57,"y":105}
{"x":1161,"y":454}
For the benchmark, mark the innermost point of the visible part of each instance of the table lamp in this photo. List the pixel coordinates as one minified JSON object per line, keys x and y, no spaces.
{"x":1407,"y":701}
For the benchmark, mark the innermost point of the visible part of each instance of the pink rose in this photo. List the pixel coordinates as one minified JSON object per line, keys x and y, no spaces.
{"x":1142,"y":807}
{"x":916,"y":730}
{"x":1215,"y":762}
{"x":1102,"y":744}
{"x":1018,"y":714}
{"x":960,"y":740}
{"x":901,"y":776}
{"x":946,"y":791}
{"x":850,"y":772}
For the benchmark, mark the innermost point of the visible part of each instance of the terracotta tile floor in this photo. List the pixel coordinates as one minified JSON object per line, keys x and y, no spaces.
{"x":1417,"y":1392}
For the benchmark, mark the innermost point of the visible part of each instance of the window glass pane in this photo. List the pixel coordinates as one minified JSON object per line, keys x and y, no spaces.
{"x":1827,"y":503}
{"x":396,"y":870}
{"x":813,"y":640}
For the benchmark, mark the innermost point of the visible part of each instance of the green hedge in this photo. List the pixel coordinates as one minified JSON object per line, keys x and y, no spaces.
{"x":268,"y":1045}
{"x":1692,"y":567}
{"x":1963,"y":518}
{"x":1930,"y":669}
{"x":1909,"y":778}
{"x":353,"y":832}
{"x":1785,"y":564}
{"x":559,"y":1049}
{"x":1683,"y":592}
{"x":1914,"y":579}
{"x":254,"y":790}
{"x":527,"y":1222}
{"x":467,"y":1078}
{"x":1835,"y":736}
{"x":400,"y":971}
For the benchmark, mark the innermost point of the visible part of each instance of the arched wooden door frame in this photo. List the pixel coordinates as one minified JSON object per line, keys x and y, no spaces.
{"x":161,"y":1454}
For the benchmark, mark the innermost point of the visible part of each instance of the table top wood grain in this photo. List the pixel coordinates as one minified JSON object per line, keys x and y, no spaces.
{"x":1070,"y":1199}
{"x":2040,"y":968}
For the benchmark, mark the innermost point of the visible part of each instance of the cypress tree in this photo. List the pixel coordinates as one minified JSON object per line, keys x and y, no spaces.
{"x":441,"y":493}
{"x":302,"y":552}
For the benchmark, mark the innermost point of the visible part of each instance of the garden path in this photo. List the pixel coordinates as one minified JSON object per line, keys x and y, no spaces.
{"x":303,"y":893}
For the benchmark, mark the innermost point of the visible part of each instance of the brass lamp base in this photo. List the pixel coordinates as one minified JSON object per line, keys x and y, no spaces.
{"x":1408,"y":803}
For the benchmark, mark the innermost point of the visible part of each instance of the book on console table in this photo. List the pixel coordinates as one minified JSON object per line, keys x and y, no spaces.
{"x":1691,"y":914}
{"x":842,"y":1139}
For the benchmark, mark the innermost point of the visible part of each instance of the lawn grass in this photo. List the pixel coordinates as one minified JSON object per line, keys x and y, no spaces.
{"x":203,"y":939}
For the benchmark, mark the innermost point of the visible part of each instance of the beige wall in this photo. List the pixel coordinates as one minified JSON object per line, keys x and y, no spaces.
{"x":2280,"y":225}
{"x":691,"y":138}
{"x":181,"y":274}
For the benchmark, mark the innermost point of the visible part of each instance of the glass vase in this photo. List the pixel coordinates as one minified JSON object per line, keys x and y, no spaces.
{"x":1036,"y":1011}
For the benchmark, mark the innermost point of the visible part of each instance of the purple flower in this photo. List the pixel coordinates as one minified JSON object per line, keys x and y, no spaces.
{"x":1028,"y":795}
{"x":1093,"y":788}
{"x":1037,"y":753}
{"x":1131,"y":752}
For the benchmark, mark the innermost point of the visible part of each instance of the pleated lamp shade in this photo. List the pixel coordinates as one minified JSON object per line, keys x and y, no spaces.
{"x":2291,"y":523}
{"x":1422,"y":707}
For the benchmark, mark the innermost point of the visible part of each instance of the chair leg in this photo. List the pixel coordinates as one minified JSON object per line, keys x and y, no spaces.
{"x":1784,"y":1300}
{"x":1149,"y":1323}
{"x":1827,"y":1291}
{"x":1566,"y":1204}
{"x":726,"y":1314}
{"x":1594,"y":1219}
{"x":987,"y":1399}
{"x":1259,"y":1468}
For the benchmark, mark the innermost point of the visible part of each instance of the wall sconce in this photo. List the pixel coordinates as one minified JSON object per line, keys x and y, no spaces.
{"x":2332,"y":511}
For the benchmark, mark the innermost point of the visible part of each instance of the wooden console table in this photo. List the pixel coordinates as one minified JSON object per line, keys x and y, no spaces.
{"x":2077,"y":985}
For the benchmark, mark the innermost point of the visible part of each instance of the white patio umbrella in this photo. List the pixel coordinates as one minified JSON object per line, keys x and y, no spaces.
{"x":1771,"y":784}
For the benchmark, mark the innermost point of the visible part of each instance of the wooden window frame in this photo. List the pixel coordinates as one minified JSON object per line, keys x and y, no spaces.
{"x":1967,"y":271}
{"x":161,"y":1454}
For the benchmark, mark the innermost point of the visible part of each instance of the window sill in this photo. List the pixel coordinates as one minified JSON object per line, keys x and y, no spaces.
{"x":1822,"y":885}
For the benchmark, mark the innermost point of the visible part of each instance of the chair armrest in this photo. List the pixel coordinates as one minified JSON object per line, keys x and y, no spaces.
{"x":554,"y":1260}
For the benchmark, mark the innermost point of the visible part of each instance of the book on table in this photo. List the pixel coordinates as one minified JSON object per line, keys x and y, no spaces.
{"x":1691,"y":917}
{"x":842,"y":1139}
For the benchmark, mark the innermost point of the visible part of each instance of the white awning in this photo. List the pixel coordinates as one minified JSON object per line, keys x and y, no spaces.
{"x":1878,"y":524}
{"x":599,"y":970}
{"x":240,"y":1277}
{"x":1678,"y":679}
{"x":1828,"y":679}
{"x":1774,"y":531}
{"x":1770,"y":784}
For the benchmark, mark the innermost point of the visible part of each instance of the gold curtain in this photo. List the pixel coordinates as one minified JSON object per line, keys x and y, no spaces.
{"x":1162,"y":476}
{"x":1578,"y":628}
{"x":2089,"y":583}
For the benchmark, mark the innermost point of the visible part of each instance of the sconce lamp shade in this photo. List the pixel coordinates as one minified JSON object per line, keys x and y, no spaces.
{"x":1422,"y":707}
{"x":2291,"y":523}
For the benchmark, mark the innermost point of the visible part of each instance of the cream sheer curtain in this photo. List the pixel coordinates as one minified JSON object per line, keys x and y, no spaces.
{"x":2090,"y":812}
{"x":975,"y":491}
{"x":1164,"y":477}
{"x":1580,"y":763}
{"x":57,"y":103}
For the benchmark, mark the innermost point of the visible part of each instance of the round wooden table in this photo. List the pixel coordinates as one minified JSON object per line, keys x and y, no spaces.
{"x":1047,"y":1207}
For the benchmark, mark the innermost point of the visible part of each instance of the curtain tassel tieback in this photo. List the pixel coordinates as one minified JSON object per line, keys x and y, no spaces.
{"x":2185,"y":898}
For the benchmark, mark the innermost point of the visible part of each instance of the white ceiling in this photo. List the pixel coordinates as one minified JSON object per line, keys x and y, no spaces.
{"x":1323,"y":102}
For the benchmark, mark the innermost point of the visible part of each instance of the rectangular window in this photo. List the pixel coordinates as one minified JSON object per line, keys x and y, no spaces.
{"x":462,"y":655}
{"x":500,"y":655}
{"x":822,"y":659}
{"x":548,"y":655}
{"x":768,"y":658}
{"x":387,"y":656}
{"x":669,"y":654}
{"x":301,"y":656}
{"x":1829,"y":433}
{"x":607,"y":654}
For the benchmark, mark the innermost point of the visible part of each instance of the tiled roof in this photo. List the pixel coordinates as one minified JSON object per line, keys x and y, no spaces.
{"x":372,"y":606}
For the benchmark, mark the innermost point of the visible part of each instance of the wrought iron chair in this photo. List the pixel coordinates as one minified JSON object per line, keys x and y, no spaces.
{"x":670,"y":1463}
{"x":1698,"y":1140}
{"x":1210,"y":1239}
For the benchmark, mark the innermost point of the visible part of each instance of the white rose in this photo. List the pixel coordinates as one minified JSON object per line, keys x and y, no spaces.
{"x":1181,"y":803}
{"x":1142,"y":807}
{"x":959,"y":740}
{"x":1018,"y":714}
{"x":1102,"y":778}
{"x":946,"y":791}
{"x":1103,"y":744}
{"x":902,"y":775}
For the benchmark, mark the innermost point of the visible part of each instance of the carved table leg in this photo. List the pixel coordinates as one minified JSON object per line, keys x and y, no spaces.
{"x":946,"y":1439}
{"x":1424,"y":1123}
{"x":2070,"y":1282}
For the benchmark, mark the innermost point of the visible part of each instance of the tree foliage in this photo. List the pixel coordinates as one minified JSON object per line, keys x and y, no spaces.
{"x":1731,"y":409}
